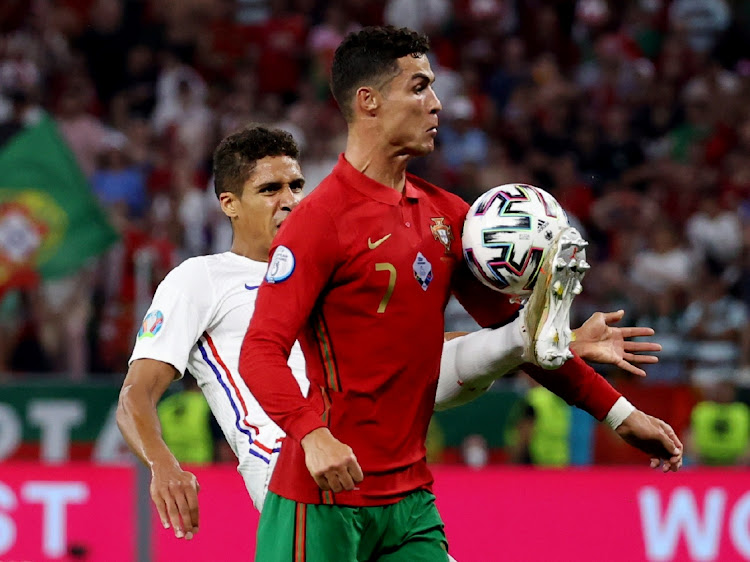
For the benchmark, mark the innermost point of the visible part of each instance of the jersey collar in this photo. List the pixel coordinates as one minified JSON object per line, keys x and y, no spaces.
{"x":371,"y":188}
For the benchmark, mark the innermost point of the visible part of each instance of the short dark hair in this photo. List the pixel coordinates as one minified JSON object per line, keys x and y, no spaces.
{"x":369,"y":55}
{"x":237,"y":154}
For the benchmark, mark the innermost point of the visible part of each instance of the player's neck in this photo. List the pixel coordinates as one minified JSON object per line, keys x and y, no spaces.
{"x":382,"y":164}
{"x":247,"y":249}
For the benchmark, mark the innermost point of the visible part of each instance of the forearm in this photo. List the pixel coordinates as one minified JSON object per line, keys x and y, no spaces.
{"x":579,"y":385}
{"x":139,"y":424}
{"x":471,"y":363}
{"x":263,"y":366}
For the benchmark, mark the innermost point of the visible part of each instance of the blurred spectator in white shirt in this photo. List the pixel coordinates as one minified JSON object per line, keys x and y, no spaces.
{"x":714,"y":323}
{"x":715,"y":232}
{"x":664,"y":265}
{"x":419,"y":15}
{"x":186,"y":119}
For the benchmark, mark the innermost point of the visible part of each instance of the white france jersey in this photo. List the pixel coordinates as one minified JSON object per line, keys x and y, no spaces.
{"x":197,"y":321}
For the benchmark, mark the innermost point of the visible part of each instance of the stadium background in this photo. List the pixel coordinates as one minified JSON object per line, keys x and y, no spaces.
{"x":633,"y":114}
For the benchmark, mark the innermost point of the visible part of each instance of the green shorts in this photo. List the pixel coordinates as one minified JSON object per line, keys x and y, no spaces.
{"x":409,"y":530}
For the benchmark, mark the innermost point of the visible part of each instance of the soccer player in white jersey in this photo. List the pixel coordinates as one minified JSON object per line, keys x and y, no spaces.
{"x":201,"y":310}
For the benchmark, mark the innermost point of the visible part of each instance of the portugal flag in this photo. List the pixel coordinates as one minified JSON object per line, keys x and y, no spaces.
{"x":50,"y":222}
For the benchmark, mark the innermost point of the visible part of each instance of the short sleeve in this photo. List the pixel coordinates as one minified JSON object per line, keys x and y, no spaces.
{"x":177,"y":317}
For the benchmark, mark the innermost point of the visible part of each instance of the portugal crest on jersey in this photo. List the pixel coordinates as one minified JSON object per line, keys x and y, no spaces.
{"x":442,"y":232}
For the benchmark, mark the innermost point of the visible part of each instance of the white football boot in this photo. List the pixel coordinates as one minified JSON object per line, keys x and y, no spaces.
{"x":546,"y":312}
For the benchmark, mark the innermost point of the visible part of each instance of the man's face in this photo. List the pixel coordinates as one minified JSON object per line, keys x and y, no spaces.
{"x":273,"y":189}
{"x":409,"y":112}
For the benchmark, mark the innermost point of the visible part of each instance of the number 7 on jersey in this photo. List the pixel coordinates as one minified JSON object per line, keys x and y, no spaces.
{"x":385,"y":266}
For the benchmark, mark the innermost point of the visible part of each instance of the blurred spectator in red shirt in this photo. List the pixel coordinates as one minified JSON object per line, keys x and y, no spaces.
{"x":281,"y":42}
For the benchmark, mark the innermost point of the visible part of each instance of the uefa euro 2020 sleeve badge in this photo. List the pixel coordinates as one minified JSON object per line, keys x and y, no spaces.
{"x":442,"y":232}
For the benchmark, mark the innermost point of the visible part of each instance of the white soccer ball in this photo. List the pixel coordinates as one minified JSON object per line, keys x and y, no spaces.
{"x":506,"y":235}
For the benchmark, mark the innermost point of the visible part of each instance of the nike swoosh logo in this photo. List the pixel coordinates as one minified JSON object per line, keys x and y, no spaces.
{"x":372,"y":245}
{"x":251,"y":287}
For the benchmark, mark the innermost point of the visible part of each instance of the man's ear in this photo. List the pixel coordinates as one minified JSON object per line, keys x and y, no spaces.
{"x":367,"y":100}
{"x":229,"y":204}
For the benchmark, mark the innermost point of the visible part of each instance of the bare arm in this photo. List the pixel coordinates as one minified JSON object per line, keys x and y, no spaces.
{"x":173,"y":490}
{"x":146,"y":382}
{"x":472,"y":362}
{"x":598,"y":341}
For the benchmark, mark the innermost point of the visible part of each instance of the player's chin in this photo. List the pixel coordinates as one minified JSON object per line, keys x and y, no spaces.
{"x":423,"y":149}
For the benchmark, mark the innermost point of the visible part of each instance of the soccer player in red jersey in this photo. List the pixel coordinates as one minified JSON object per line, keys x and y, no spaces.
{"x":202,"y":310}
{"x":360,"y":273}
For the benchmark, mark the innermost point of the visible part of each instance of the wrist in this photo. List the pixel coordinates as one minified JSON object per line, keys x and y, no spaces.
{"x":315,"y":436}
{"x":577,"y":345}
{"x":619,"y":412}
{"x":303,"y":423}
{"x":162,"y":459}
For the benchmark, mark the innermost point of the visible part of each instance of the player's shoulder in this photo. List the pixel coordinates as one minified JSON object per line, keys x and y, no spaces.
{"x":214,"y":268}
{"x":194,"y":277}
{"x":439,"y":196}
{"x":189,"y":269}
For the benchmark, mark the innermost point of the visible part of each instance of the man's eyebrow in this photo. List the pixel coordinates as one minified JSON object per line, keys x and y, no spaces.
{"x":279,"y":184}
{"x":423,"y":76}
{"x":274,"y":184}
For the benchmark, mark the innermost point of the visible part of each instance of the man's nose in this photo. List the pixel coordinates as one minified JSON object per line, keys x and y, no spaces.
{"x":436,"y":105}
{"x":289,"y":199}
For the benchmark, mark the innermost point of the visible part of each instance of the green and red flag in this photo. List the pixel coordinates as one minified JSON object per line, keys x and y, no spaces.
{"x":50,"y":221}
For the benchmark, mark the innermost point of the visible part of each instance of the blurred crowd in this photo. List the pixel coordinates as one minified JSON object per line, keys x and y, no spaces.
{"x":635,"y":115}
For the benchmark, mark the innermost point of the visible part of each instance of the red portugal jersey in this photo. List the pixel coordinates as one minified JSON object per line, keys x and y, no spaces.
{"x":361,"y":275}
